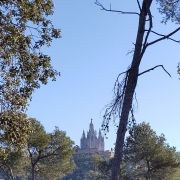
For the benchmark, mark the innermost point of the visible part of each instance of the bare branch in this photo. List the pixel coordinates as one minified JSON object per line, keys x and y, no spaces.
{"x":130,"y":51}
{"x":153,"y":69}
{"x":164,"y":37}
{"x":148,"y":31}
{"x":139,"y":5}
{"x":131,"y":123}
{"x":113,"y":110}
{"x":121,"y":74}
{"x":110,"y":10}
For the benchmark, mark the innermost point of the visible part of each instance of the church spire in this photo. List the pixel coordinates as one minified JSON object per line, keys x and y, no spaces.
{"x":93,"y":140}
{"x":91,"y":122}
{"x":83,"y":133}
{"x":91,"y":127}
{"x":99,"y":133}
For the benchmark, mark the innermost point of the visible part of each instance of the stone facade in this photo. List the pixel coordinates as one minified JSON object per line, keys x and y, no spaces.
{"x":92,"y":142}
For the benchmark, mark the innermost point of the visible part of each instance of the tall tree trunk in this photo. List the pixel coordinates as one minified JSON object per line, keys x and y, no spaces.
{"x":129,"y":92}
{"x":149,"y":171}
{"x":32,"y":172}
{"x":12,"y":176}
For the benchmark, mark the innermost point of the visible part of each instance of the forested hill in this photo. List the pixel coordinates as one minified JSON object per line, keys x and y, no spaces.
{"x":84,"y":167}
{"x":84,"y":164}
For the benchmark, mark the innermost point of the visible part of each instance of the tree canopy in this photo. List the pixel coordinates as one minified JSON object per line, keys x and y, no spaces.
{"x":14,"y":165}
{"x":102,"y":167}
{"x":50,"y":154}
{"x":25,"y":29}
{"x":45,"y":156}
{"x":145,"y":156}
{"x":148,"y":156}
{"x":84,"y":164}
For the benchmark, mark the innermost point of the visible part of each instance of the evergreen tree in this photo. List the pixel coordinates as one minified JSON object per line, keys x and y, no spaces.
{"x":14,"y":165}
{"x":84,"y":166}
{"x":102,"y":167}
{"x":50,"y":155}
{"x":148,"y":156}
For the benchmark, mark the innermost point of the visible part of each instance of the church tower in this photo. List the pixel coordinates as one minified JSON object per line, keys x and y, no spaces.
{"x":83,"y":141}
{"x":100,"y":141}
{"x":92,"y":141}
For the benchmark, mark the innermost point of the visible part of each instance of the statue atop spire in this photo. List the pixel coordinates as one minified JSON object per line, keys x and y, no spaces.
{"x":91,"y":127}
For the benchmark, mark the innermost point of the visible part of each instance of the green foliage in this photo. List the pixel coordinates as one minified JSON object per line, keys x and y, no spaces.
{"x":102,"y":168}
{"x":38,"y":138}
{"x":15,"y":129}
{"x":84,"y":166}
{"x":149,"y":157}
{"x":14,"y":165}
{"x":145,"y":156}
{"x":25,"y":29}
{"x":50,"y":155}
{"x":58,"y":161}
{"x":46,"y":156}
{"x":90,"y":166}
{"x":14,"y":132}
{"x":170,"y":10}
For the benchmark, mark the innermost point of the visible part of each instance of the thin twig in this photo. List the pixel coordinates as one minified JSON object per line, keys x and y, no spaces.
{"x":139,"y":5}
{"x":175,"y":2}
{"x":135,"y":97}
{"x":128,"y":69}
{"x":110,"y":10}
{"x":153,"y":69}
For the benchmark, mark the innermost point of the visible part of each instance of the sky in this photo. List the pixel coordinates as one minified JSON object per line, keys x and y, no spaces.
{"x":92,"y":52}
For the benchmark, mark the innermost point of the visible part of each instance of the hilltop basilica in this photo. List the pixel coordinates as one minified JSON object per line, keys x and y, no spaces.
{"x":92,"y":142}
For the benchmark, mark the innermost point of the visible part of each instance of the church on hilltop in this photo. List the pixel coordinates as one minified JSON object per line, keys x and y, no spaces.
{"x":92,"y":142}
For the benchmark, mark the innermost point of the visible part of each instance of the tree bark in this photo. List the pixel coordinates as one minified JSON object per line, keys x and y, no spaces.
{"x":12,"y":176}
{"x":148,"y":172}
{"x":129,"y":92}
{"x":32,"y":172}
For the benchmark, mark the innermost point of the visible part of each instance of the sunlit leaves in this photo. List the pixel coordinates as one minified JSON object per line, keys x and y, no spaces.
{"x":24,"y":30}
{"x":14,"y":132}
{"x":170,"y":9}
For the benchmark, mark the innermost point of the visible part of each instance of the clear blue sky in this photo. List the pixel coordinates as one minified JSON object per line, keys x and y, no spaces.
{"x":90,"y":55}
